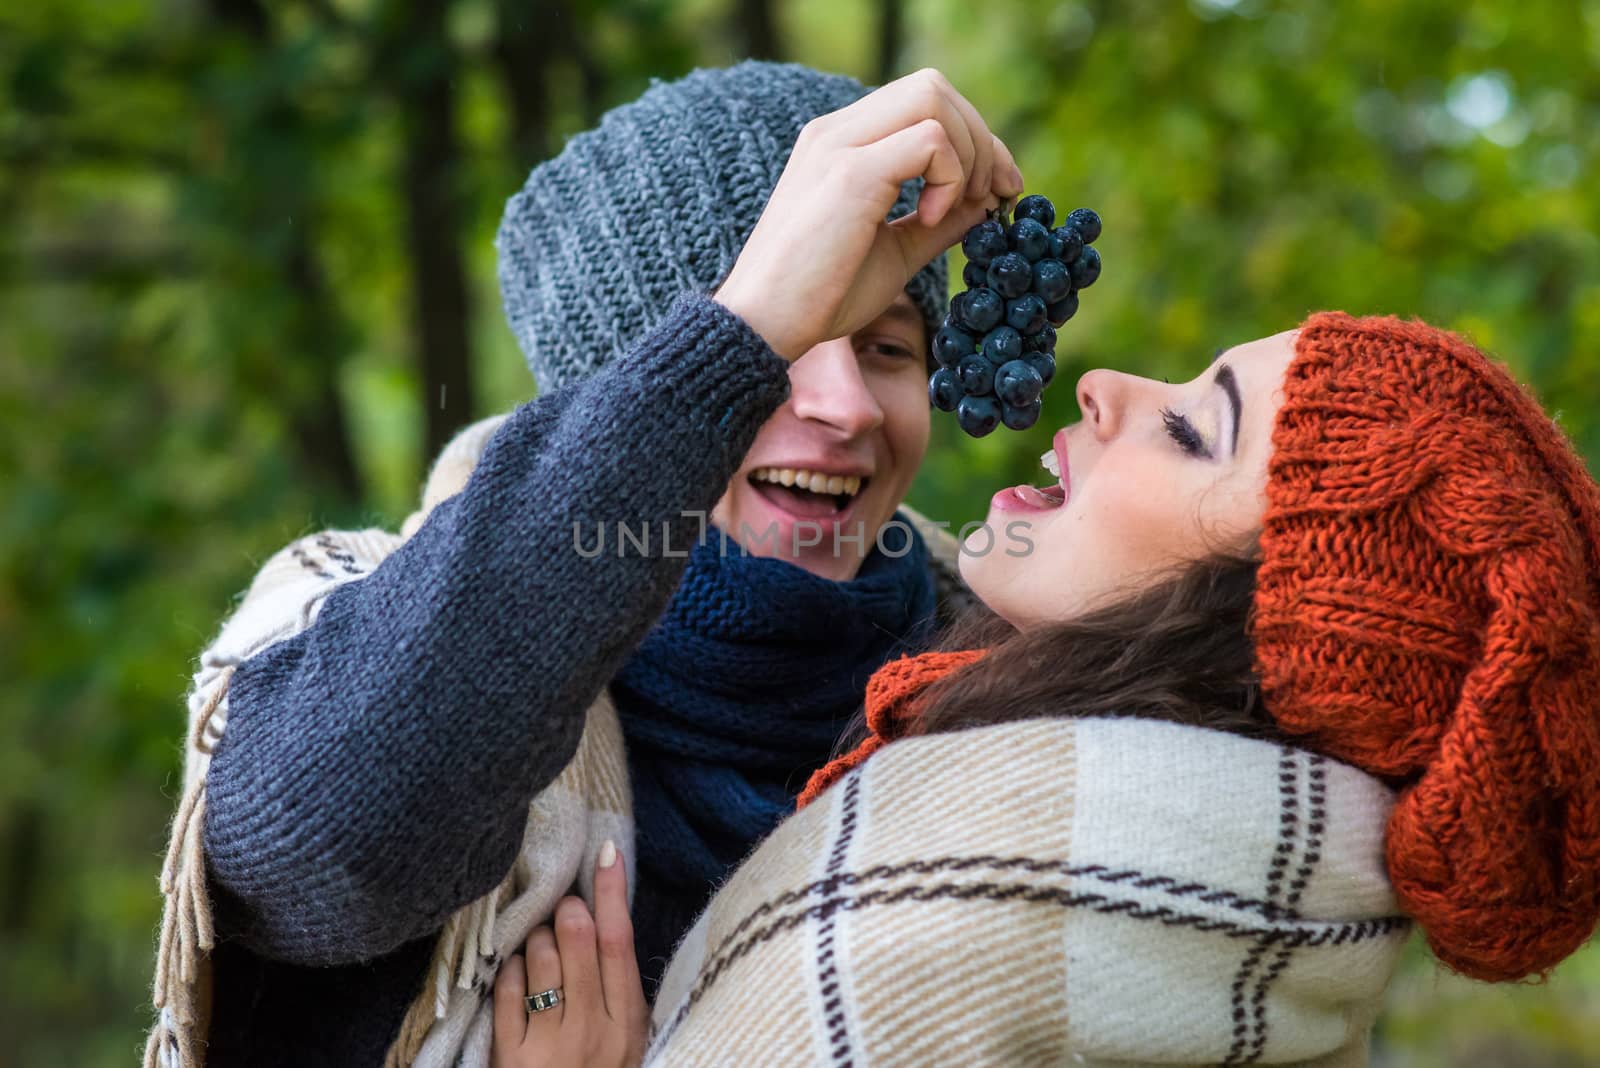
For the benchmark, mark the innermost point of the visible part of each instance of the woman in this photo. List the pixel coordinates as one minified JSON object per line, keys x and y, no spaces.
{"x":1305,"y":650}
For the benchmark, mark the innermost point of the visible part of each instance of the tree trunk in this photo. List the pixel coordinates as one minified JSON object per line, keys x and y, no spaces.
{"x":321,"y":431}
{"x":314,"y":336}
{"x":521,"y":53}
{"x":591,"y":73}
{"x":758,"y":25}
{"x":21,"y":850}
{"x":433,"y":220}
{"x":891,"y":36}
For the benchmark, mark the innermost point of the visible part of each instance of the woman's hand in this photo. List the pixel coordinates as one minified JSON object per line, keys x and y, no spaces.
{"x":822,"y":262}
{"x":602,"y":1020}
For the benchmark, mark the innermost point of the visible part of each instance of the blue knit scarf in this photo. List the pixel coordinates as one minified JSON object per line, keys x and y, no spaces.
{"x":744,"y":685}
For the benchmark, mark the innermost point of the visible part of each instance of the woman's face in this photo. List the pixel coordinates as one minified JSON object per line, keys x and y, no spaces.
{"x":1154,"y":475}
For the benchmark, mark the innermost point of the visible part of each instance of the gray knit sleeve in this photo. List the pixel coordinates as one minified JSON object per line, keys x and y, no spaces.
{"x":377,"y":766}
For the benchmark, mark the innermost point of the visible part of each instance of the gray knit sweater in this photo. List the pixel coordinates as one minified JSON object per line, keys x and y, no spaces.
{"x":377,"y":767}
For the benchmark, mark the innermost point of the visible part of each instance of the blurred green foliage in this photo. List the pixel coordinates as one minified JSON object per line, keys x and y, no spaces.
{"x":247,"y":286}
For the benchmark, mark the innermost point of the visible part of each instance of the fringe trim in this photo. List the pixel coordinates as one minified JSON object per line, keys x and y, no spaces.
{"x":463,"y":959}
{"x":182,"y":987}
{"x":180,"y":992}
{"x":464,"y":956}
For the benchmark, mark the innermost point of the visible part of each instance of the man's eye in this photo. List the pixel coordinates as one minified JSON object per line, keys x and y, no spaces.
{"x":888,"y":348}
{"x":1182,"y":431}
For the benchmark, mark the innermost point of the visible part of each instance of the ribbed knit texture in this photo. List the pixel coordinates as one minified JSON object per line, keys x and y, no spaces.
{"x":377,"y":768}
{"x":657,"y":200}
{"x":736,"y":695}
{"x":1428,"y":608}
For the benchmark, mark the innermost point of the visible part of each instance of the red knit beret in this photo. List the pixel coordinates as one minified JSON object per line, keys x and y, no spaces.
{"x":1428,"y":609}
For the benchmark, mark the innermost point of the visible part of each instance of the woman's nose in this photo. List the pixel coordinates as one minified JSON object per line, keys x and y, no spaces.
{"x":1105,"y":397}
{"x":1097,"y":400}
{"x":826,"y":386}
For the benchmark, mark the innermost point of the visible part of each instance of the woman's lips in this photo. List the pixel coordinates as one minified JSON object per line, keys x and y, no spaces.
{"x":1058,"y":445}
{"x":1029,"y":498}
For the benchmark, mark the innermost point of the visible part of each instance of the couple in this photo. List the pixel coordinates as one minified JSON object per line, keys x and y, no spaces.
{"x":1307,"y":652}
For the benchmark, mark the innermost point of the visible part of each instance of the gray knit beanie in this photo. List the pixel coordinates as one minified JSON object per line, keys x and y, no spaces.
{"x":655,"y":202}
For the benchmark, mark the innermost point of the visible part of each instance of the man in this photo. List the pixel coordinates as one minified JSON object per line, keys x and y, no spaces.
{"x":365,"y":816}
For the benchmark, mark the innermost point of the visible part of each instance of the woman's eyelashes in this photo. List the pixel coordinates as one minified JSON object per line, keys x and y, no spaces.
{"x":1182,"y":431}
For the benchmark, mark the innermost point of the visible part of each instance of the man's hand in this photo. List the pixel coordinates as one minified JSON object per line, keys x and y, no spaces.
{"x":602,"y":1020}
{"x":822,"y":262}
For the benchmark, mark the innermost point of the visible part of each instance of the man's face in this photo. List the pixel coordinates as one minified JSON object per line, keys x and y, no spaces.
{"x":838,"y":457}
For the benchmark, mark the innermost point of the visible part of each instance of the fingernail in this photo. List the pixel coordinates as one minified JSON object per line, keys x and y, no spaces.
{"x":608,"y":854}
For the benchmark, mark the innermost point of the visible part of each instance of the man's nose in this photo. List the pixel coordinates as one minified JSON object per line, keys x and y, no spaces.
{"x":826,"y":386}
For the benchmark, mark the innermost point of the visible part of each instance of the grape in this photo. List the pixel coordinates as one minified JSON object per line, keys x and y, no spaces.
{"x":1043,"y":341}
{"x":981,"y":311}
{"x":1086,"y":269}
{"x":996,"y":350}
{"x":977,"y":375}
{"x":1017,"y":384}
{"x":1051,"y":280}
{"x":944,"y":390}
{"x":1044,"y":363}
{"x":956,"y":316}
{"x":1087,"y":223}
{"x":1038,"y":208}
{"x":1063,"y":309}
{"x":1065,"y":243}
{"x":1011,"y":275}
{"x":1030,"y":240}
{"x":978,"y":416}
{"x":1027,"y":314}
{"x":985,"y":242}
{"x":1001,"y":345}
{"x":1021,"y":418}
{"x":950,"y":344}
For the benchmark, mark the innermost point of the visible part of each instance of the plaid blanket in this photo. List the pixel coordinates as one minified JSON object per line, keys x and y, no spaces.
{"x":1111,"y":891}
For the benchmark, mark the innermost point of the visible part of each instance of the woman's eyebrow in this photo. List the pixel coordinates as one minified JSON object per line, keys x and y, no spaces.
{"x":1230,"y":386}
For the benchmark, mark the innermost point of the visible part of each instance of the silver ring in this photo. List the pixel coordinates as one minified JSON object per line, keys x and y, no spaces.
{"x":547,"y":999}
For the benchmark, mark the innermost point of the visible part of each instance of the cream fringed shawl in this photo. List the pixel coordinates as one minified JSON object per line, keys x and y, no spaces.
{"x":450,"y":1023}
{"x":1051,"y":892}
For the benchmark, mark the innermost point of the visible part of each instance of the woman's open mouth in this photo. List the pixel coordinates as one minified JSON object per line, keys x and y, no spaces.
{"x":807,"y":494}
{"x":1036,"y":498}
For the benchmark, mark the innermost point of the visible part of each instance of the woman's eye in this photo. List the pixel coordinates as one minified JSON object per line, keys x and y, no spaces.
{"x":1183,"y":432}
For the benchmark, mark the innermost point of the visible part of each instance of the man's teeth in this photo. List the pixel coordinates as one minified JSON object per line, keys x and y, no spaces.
{"x":1050,"y":463}
{"x":833,"y":485}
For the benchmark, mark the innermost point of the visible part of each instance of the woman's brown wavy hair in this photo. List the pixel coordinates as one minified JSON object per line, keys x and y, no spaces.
{"x":1178,"y":650}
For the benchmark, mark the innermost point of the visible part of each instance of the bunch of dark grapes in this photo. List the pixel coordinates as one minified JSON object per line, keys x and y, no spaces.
{"x":996,"y":350}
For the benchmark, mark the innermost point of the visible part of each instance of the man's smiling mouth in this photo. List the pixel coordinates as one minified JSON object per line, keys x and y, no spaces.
{"x":808,"y":494}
